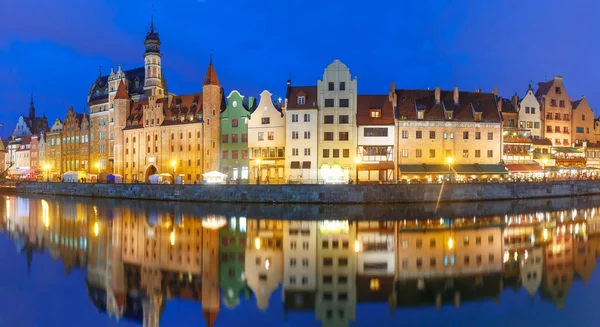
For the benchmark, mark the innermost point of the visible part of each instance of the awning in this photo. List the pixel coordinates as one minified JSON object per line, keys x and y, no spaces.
{"x":525,"y":168}
{"x":564,"y":149}
{"x":376,"y":165}
{"x":477,"y":169}
{"x":424,"y":169}
{"x":305,"y":164}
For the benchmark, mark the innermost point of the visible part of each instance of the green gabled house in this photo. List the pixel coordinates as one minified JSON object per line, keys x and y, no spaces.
{"x":231,"y":268}
{"x":234,"y":137}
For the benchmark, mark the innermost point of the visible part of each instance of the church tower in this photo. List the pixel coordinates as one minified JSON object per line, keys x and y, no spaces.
{"x":212,"y":100}
{"x":31,"y":110}
{"x":152,"y":64}
{"x":122,"y":107}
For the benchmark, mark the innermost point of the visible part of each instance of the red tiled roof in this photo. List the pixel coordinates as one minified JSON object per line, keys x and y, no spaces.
{"x":188,"y":105}
{"x":544,"y":87}
{"x":310,"y":100}
{"x":367,"y":102}
{"x":210,"y":317}
{"x":121,"y":92}
{"x":211,"y":75}
{"x":524,"y":168}
{"x":120,"y":299}
{"x":468,"y":102}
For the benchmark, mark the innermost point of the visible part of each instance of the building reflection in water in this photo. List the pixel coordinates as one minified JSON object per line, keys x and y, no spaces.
{"x":139,"y":258}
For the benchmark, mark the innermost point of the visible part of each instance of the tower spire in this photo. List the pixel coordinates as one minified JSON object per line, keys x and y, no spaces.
{"x":211,"y":52}
{"x":152,"y":20}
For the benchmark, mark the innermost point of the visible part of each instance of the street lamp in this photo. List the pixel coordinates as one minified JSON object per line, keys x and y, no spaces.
{"x":46,"y":168}
{"x":257,"y":161}
{"x":357,"y":162}
{"x":174,"y":165}
{"x":544,"y":167}
{"x":450,"y":160}
{"x":97,"y":165}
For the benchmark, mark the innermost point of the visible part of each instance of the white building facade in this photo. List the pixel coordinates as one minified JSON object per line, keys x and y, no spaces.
{"x":302,"y":132}
{"x":530,"y":116}
{"x":266,"y":142}
{"x":337,"y":124}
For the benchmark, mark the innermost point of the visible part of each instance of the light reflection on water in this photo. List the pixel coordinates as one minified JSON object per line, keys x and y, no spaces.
{"x":138,"y":256}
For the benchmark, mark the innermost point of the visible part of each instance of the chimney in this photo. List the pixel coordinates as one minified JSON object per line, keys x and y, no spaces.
{"x":495,"y":91}
{"x":456,"y":96}
{"x":392,"y":95}
{"x":499,"y":104}
{"x":478,"y":91}
{"x":515,"y":101}
{"x":437,"y":95}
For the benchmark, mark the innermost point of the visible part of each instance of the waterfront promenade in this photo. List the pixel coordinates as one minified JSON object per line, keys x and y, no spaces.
{"x":324,"y":194}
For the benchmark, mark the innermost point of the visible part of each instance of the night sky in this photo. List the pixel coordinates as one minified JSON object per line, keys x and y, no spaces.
{"x":54,"y":48}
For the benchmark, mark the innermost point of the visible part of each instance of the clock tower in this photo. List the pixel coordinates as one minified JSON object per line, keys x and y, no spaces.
{"x":153,"y":81}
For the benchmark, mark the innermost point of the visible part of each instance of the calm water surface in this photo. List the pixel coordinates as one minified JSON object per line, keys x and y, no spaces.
{"x":100,"y":262}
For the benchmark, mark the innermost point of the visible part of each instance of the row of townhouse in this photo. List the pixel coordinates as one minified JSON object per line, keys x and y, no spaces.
{"x":325,"y":133}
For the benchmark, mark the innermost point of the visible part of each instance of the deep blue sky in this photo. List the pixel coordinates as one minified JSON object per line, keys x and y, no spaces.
{"x":54,"y":48}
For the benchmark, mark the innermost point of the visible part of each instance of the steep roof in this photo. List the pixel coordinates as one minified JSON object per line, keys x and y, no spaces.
{"x":507,"y":106}
{"x":121,"y":92}
{"x":210,"y":316}
{"x":186,"y":106}
{"x":308,"y":92}
{"x":541,"y":142}
{"x":469,"y":102}
{"x":101,"y":85}
{"x":367,"y":102}
{"x":544,"y":88}
{"x":576,"y":104}
{"x":211,"y":75}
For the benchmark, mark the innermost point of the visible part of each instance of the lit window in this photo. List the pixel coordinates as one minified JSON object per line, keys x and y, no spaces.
{"x":375,"y":113}
{"x":374,"y":284}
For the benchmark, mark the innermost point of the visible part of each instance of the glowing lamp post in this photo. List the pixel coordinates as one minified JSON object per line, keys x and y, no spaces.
{"x":174,"y":165}
{"x":357,"y":162}
{"x":257,"y":161}
{"x":450,"y":161}
{"x":544,"y":167}
{"x":97,"y":165}
{"x":46,"y":169}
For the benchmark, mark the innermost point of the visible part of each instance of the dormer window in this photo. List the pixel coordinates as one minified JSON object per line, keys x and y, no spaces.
{"x":375,"y":113}
{"x":301,"y":100}
{"x":420,"y":114}
{"x":478,"y":116}
{"x":137,"y":82}
{"x":97,"y":92}
{"x":448,"y":115}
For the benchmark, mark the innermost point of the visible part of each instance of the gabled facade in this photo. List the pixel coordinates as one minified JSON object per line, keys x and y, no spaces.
{"x":53,"y":148}
{"x":556,"y":111}
{"x":75,"y":142}
{"x":530,"y":115}
{"x":337,"y":93}
{"x":302,"y":133}
{"x":266,"y":142}
{"x":30,"y":124}
{"x":234,"y":137}
{"x":583,"y":122}
{"x":375,"y":121}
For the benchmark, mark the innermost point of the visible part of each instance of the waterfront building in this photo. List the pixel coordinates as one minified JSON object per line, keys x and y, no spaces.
{"x":583,"y":123}
{"x":264,"y":258}
{"x":173,"y":136}
{"x":266,"y":141}
{"x":42,"y":152}
{"x":532,"y":269}
{"x":510,"y":114}
{"x":376,"y":139}
{"x":22,"y":157}
{"x":443,"y":131}
{"x":234,"y":137}
{"x":336,"y":273}
{"x":211,"y":289}
{"x":558,"y":260}
{"x":34,"y":155}
{"x":300,"y":262}
{"x":556,"y":110}
{"x":53,"y":149}
{"x":30,"y":124}
{"x":530,"y":115}
{"x":302,"y":133}
{"x":75,"y":142}
{"x":337,"y":100}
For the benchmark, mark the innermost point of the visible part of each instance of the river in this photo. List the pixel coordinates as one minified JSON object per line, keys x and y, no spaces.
{"x":69,"y":261}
